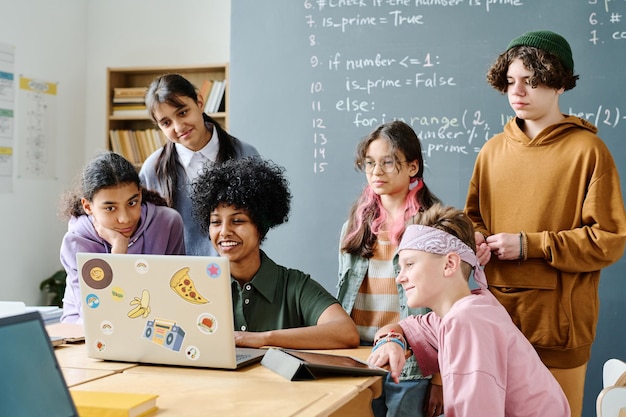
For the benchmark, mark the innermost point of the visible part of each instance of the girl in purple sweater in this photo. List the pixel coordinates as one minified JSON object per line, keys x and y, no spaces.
{"x":112,"y":213}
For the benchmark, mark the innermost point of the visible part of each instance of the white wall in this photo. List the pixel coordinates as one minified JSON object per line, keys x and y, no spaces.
{"x":49,"y":39}
{"x":72,"y":42}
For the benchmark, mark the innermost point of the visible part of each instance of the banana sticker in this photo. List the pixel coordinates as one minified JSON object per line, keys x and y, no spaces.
{"x":142,"y":306}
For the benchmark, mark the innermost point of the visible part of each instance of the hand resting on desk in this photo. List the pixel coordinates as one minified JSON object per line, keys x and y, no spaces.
{"x":389,"y":356}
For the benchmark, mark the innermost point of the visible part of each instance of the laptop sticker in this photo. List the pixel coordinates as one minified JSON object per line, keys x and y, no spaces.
{"x":213,"y":270}
{"x":164,"y":333}
{"x":183,"y":285}
{"x":142,"y":305}
{"x":92,"y":301}
{"x":117,"y":293}
{"x":207,"y":323}
{"x":100,"y":346}
{"x":141,"y":266}
{"x":106,"y":327}
{"x":192,"y":353}
{"x":97,"y":273}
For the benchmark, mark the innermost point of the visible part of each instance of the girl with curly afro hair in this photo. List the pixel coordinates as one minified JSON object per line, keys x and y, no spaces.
{"x":236,"y":203}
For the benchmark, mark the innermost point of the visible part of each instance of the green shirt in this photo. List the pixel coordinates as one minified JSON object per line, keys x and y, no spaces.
{"x":278,"y":298}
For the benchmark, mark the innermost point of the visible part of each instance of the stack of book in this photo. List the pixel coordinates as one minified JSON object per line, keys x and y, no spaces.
{"x":136,"y":145}
{"x":129,"y":101}
{"x":113,"y":404}
{"x":49,"y":314}
{"x":212,"y":93}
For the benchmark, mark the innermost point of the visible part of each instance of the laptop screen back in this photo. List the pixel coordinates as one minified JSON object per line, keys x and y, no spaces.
{"x":32,"y":383}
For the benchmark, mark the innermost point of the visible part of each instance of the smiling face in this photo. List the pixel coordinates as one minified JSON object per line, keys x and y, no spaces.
{"x":235,"y":236}
{"x":185,"y":124}
{"x":421,"y":276}
{"x":116,"y":208}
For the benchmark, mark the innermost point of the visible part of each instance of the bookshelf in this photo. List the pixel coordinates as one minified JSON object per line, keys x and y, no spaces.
{"x":132,"y":133}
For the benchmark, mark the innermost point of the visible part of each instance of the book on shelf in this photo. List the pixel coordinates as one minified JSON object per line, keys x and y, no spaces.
{"x":127,"y":147}
{"x":221,"y":104}
{"x":136,"y":145}
{"x":142,"y":144}
{"x":121,"y":100}
{"x":129,"y":92}
{"x":205,"y":89}
{"x":113,"y":404}
{"x":210,"y":98}
{"x":128,"y":96}
{"x":215,"y":97}
{"x":220,"y":97}
{"x":130,"y":109}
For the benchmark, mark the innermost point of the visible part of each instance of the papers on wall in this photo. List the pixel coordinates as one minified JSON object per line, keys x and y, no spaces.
{"x":7,"y":119}
{"x":37,"y":127}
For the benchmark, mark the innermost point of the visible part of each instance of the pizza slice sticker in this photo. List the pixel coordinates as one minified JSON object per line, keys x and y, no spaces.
{"x":183,"y":285}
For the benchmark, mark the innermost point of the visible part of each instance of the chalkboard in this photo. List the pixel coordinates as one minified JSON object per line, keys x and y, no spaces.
{"x":310,"y":78}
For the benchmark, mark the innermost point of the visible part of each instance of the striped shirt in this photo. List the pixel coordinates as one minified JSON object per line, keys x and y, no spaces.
{"x":377,"y":303}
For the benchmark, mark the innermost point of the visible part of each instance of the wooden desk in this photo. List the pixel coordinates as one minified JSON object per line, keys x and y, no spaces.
{"x":253,"y":390}
{"x":75,"y":356}
{"x":75,"y":376}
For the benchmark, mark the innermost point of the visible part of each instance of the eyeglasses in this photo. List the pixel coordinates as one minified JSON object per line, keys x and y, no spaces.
{"x":388,"y":165}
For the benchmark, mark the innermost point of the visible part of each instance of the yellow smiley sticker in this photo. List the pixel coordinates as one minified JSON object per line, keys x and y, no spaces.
{"x":96,"y":273}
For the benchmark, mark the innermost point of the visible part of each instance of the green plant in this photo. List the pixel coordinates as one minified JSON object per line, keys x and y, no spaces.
{"x":55,"y":285}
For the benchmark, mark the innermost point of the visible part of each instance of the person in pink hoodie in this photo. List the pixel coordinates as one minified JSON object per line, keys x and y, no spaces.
{"x":110,"y":212}
{"x":487,"y":366}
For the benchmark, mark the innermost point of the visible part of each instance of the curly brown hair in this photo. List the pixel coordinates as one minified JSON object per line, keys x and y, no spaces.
{"x":547,"y":70}
{"x":255,"y":185}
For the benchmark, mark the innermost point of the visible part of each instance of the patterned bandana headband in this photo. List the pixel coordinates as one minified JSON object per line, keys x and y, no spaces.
{"x":431,"y":240}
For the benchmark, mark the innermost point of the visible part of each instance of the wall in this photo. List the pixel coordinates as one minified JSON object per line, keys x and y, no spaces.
{"x":73,"y":42}
{"x":50,"y":45}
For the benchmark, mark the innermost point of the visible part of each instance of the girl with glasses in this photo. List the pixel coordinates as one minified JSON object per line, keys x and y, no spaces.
{"x":391,"y":158}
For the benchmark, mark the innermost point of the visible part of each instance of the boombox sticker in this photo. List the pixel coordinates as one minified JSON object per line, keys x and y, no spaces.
{"x":165,"y":333}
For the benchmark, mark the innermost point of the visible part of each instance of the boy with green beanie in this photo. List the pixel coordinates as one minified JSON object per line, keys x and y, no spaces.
{"x":545,"y":198}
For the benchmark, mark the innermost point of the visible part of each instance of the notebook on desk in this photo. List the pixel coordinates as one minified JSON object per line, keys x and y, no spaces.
{"x":161,"y":309}
{"x":32,"y":383}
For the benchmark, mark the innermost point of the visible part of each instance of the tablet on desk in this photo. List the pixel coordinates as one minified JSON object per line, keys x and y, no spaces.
{"x":297,"y":365}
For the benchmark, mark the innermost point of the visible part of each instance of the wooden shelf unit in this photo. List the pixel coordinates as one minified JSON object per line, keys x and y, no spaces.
{"x":142,"y":77}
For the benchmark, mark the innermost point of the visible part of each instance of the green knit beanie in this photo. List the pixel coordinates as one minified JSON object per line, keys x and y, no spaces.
{"x":549,"y":42}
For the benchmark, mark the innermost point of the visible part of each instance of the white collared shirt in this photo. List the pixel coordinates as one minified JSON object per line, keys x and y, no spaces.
{"x":194,"y":162}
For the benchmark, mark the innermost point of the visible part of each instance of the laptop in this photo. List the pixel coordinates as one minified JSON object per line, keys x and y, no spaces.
{"x":160,"y":309}
{"x":32,"y":383}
